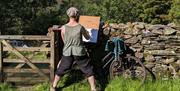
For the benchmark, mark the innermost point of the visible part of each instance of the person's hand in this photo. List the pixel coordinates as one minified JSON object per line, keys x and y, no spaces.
{"x":56,"y":27}
{"x":53,"y":28}
{"x":106,"y":25}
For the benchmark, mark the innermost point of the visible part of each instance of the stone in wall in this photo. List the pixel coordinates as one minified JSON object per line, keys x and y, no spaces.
{"x":158,"y":45}
{"x":132,"y":40}
{"x":169,"y":31}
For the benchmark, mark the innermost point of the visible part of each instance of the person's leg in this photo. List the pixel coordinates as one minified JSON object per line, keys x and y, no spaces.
{"x":66,"y":63}
{"x":56,"y":80}
{"x":92,"y":82}
{"x":87,"y":69}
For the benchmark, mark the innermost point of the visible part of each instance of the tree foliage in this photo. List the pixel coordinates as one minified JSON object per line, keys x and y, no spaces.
{"x":26,"y":16}
{"x":121,"y":10}
{"x":35,"y":16}
{"x":155,"y":11}
{"x":175,"y":11}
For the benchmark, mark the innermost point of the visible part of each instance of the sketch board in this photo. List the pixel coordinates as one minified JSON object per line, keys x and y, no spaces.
{"x":91,"y":23}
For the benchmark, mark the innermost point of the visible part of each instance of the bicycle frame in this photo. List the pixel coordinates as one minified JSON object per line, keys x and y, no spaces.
{"x":110,"y":53}
{"x":115,"y":57}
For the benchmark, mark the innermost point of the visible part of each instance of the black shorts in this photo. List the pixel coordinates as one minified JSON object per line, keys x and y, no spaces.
{"x":82,"y":62}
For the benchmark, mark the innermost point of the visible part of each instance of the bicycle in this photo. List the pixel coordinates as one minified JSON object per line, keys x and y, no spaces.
{"x":121,"y":62}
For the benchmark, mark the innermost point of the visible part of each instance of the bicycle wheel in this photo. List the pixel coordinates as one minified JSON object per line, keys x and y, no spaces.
{"x":134,"y":69}
{"x":128,"y":67}
{"x":115,"y":68}
{"x":150,"y":75}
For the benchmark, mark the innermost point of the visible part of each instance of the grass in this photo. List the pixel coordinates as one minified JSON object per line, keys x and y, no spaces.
{"x":81,"y":86}
{"x":42,"y":87}
{"x":67,"y":83}
{"x":73,"y":81}
{"x":35,"y":55}
{"x":118,"y":84}
{"x":76,"y":82}
{"x":6,"y":87}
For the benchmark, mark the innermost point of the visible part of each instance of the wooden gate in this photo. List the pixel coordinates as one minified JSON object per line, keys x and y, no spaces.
{"x":31,"y":62}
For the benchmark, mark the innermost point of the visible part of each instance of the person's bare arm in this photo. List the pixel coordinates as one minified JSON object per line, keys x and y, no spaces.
{"x":62,"y":32}
{"x":85,"y":33}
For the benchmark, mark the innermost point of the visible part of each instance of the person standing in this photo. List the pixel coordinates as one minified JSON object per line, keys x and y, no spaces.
{"x":74,"y":49}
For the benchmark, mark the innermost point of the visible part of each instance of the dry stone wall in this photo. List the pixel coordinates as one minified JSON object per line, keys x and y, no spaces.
{"x":158,"y":45}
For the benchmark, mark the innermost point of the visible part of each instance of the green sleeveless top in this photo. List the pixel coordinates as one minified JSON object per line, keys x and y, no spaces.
{"x":73,"y":44}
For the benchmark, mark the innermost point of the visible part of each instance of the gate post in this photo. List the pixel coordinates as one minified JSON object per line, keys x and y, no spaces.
{"x":1,"y":62}
{"x":52,"y":59}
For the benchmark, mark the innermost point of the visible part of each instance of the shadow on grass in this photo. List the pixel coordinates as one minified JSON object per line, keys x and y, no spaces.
{"x":74,"y":76}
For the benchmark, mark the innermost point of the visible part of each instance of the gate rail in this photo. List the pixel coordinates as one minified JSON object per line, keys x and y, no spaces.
{"x":7,"y":73}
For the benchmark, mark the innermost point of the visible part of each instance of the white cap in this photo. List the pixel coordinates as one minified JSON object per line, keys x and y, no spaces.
{"x":73,"y":12}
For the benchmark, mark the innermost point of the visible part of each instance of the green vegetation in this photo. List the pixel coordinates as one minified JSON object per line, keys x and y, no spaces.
{"x":119,"y":84}
{"x":31,"y":55}
{"x":155,"y":11}
{"x":175,"y":11}
{"x":73,"y":81}
{"x":6,"y":87}
{"x":35,"y":16}
{"x":26,"y":16}
{"x":42,"y":87}
{"x":81,"y":86}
